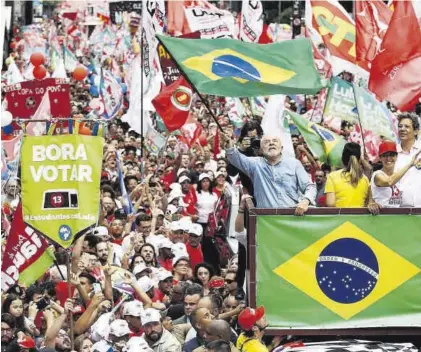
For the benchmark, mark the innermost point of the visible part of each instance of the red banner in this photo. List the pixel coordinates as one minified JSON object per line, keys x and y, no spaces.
{"x":24,"y":98}
{"x":24,"y":247}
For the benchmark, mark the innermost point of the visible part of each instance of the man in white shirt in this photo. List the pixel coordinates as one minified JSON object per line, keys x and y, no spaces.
{"x":410,"y":184}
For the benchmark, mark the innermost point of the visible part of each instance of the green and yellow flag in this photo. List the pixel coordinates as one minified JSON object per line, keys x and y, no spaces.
{"x":339,"y":271}
{"x":323,"y":143}
{"x":233,"y":68}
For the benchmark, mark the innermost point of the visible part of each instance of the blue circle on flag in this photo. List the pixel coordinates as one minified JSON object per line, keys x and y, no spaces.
{"x":234,"y":66}
{"x":65,"y":232}
{"x":347,"y":270}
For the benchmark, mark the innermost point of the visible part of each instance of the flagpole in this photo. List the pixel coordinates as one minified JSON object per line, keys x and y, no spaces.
{"x":69,"y":294}
{"x":194,"y":88}
{"x":359,"y":120}
{"x":141,"y":90}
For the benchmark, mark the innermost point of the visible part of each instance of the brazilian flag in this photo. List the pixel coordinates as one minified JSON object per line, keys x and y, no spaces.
{"x":339,"y":271}
{"x":323,"y":143}
{"x":232,"y":68}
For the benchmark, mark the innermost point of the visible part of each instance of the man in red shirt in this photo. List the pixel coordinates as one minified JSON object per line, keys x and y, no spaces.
{"x":189,"y":195}
{"x":193,"y":246}
{"x":165,"y":254}
{"x":132,"y":312}
{"x":165,"y":285}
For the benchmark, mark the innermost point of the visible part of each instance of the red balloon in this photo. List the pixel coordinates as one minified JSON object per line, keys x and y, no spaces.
{"x":83,"y":129}
{"x":37,"y":59}
{"x":80,"y":73}
{"x":39,"y":72}
{"x":203,"y":141}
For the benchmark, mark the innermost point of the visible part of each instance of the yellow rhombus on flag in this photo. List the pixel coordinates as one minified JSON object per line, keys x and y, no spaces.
{"x":342,"y":284}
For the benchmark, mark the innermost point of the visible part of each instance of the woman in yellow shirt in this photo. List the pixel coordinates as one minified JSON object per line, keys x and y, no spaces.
{"x":349,"y":187}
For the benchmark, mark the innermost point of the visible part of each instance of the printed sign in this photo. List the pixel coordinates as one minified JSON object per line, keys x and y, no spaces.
{"x":119,"y":7}
{"x":211,"y":22}
{"x":60,"y":184}
{"x":24,"y":98}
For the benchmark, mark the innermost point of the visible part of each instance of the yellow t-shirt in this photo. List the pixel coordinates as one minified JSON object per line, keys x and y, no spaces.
{"x":347,"y":196}
{"x":247,"y":344}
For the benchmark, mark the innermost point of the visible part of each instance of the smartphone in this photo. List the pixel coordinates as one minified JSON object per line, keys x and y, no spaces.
{"x":97,"y":288}
{"x":42,"y":303}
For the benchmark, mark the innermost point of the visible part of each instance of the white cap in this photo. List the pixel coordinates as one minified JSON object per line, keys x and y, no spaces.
{"x":150,"y":315}
{"x":181,"y":170}
{"x":137,"y":344}
{"x":171,"y":209}
{"x":165,"y":243}
{"x":139,"y":268}
{"x":178,"y":249}
{"x":196,"y":229}
{"x":101,"y":328}
{"x":102,"y":346}
{"x":203,"y":176}
{"x":145,"y":283}
{"x":100,"y":231}
{"x":163,"y":275}
{"x":184,"y":178}
{"x":133,"y":308}
{"x":176,"y":259}
{"x":176,"y":225}
{"x":185,"y":222}
{"x":119,"y":328}
{"x":219,"y":173}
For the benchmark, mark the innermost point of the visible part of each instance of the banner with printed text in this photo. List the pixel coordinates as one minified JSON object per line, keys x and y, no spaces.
{"x":340,"y":272}
{"x":60,"y":184}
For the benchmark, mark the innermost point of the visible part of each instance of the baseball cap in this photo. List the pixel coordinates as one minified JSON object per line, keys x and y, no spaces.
{"x":184,"y":178}
{"x":165,"y":243}
{"x":139,"y":268}
{"x":181,"y":170}
{"x":100,"y":231}
{"x":196,"y":229}
{"x":219,"y":173}
{"x":249,"y":316}
{"x":145,"y":283}
{"x":183,"y":256}
{"x":137,"y":344}
{"x":178,"y":249}
{"x":203,"y":176}
{"x":119,"y":328}
{"x":171,"y":155}
{"x":102,"y":346}
{"x":163,"y":275}
{"x":200,"y":162}
{"x":387,"y":146}
{"x":133,"y":308}
{"x":175,"y":226}
{"x":185,"y":223}
{"x":150,"y":315}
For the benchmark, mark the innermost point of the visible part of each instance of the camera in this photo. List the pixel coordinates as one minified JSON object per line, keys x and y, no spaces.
{"x":255,"y":143}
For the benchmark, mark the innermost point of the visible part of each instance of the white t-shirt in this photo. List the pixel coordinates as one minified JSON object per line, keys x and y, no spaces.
{"x":410,"y":183}
{"x":205,"y":205}
{"x":387,"y":197}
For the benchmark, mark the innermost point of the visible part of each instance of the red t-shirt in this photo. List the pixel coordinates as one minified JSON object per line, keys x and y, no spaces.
{"x":195,"y":254}
{"x":166,"y":264}
{"x":158,"y":295}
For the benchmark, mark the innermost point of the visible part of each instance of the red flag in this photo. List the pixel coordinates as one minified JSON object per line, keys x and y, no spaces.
{"x":26,"y":257}
{"x":395,"y":72}
{"x":190,"y":133}
{"x":323,"y":66}
{"x":371,"y":21}
{"x":173,"y":104}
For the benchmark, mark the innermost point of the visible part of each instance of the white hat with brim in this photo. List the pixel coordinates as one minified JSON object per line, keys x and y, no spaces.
{"x":150,"y":315}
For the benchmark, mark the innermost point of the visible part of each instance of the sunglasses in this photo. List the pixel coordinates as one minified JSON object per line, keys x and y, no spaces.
{"x":229,"y":281}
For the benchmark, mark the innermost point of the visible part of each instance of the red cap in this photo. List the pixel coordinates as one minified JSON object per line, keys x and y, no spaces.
{"x":27,"y":342}
{"x":249,"y":316}
{"x":387,"y":146}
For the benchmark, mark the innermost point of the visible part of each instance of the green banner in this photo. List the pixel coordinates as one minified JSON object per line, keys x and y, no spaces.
{"x":374,"y":116}
{"x":340,"y":102}
{"x":339,"y":271}
{"x":60,"y":184}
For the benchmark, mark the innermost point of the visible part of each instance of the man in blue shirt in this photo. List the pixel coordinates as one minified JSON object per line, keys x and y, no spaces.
{"x":279,"y":181}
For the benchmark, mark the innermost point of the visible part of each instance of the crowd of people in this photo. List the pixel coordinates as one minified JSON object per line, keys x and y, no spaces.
{"x":170,"y":276}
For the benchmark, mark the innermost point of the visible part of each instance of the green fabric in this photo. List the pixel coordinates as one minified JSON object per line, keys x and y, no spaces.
{"x":232,"y":68}
{"x":281,"y":238}
{"x":37,"y":269}
{"x":323,"y":143}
